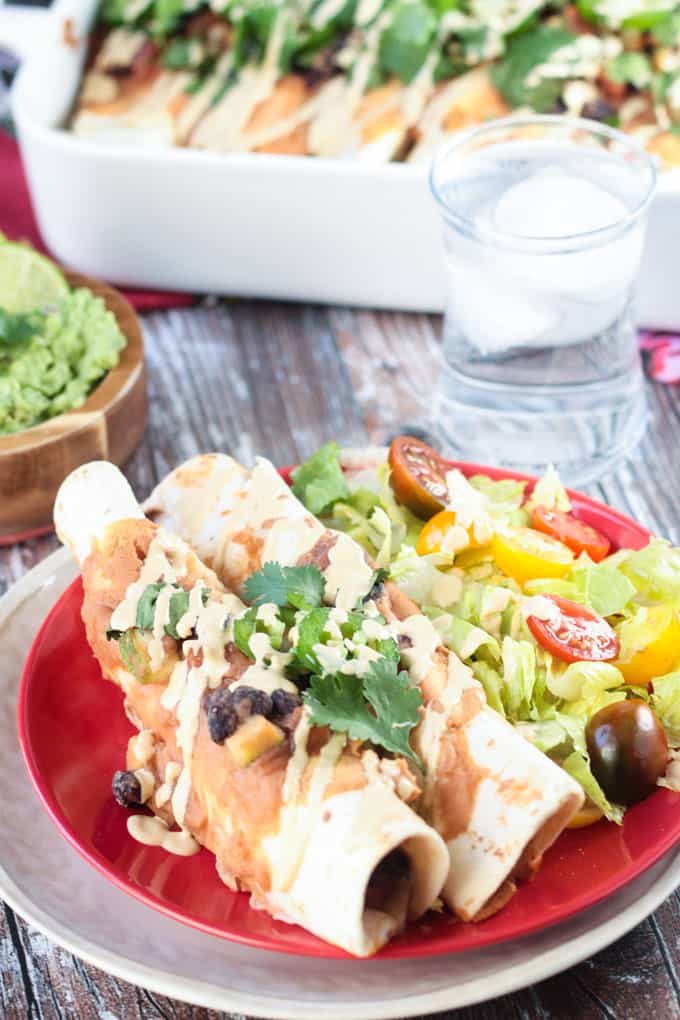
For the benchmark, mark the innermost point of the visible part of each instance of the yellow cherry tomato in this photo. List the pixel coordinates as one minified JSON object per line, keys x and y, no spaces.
{"x":661,"y":652}
{"x":527,"y":555}
{"x":587,"y":815}
{"x":434,"y":532}
{"x":439,"y":528}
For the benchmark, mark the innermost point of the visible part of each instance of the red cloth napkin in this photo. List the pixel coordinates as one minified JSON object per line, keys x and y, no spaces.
{"x":17,"y":221}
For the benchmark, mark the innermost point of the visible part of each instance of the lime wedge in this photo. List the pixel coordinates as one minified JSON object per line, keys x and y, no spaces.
{"x":28,"y":280}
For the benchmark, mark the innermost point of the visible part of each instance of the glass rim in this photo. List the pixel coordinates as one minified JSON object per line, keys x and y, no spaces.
{"x":581,"y":240}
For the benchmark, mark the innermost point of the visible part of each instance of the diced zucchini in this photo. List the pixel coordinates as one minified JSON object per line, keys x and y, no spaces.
{"x":253,"y":738}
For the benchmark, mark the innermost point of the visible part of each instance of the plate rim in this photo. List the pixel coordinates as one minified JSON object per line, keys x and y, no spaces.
{"x":420,"y":949}
{"x":509,"y":978}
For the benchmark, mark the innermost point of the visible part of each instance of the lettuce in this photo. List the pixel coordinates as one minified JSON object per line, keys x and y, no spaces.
{"x":463,"y":637}
{"x":504,"y":499}
{"x":601,"y":586}
{"x":319,"y":482}
{"x":549,"y":492}
{"x":654,"y":571}
{"x":578,"y":768}
{"x":666,"y":703}
{"x":519,"y":678}
{"x":416,"y":574}
{"x":583,"y":680}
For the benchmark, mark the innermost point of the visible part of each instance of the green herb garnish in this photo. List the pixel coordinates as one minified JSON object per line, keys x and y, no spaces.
{"x":300,"y":587}
{"x":381,"y":707}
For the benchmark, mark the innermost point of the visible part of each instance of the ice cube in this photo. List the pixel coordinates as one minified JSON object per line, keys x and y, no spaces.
{"x":554,"y":203}
{"x":493,"y":313}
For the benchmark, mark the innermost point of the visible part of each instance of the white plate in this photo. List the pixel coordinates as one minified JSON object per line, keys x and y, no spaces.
{"x":46,"y":882}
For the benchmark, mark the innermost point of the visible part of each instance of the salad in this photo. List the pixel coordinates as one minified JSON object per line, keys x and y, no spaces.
{"x":375,"y":79}
{"x":575,"y":643}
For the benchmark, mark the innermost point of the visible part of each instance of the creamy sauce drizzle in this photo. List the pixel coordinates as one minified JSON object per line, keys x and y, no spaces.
{"x":142,"y":748}
{"x":267,"y":673}
{"x":419,"y":656}
{"x":348,"y":575}
{"x":152,"y":831}
{"x":146,"y":782}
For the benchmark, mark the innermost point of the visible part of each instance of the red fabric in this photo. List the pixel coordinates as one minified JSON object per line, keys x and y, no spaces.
{"x":17,"y":222}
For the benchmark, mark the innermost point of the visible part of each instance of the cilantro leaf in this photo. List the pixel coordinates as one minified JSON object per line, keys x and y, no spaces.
{"x":381,"y":707}
{"x":526,"y":52}
{"x":310,"y":632}
{"x":146,"y":607}
{"x":179,"y":605}
{"x":389,"y":648}
{"x":629,"y":68}
{"x":319,"y":481}
{"x":301,"y":587}
{"x":407,"y":40}
{"x":178,"y":54}
{"x":667,"y":30}
{"x":376,"y":586}
{"x":248,"y":624}
{"x":244,"y":628}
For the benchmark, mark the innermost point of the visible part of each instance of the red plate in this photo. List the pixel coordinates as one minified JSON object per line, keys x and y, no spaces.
{"x":74,"y":734}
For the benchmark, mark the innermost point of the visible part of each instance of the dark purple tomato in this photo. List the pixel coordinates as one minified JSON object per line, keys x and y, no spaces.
{"x":628,"y":750}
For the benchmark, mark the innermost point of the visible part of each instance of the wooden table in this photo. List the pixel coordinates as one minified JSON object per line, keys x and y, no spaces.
{"x":279,"y":380}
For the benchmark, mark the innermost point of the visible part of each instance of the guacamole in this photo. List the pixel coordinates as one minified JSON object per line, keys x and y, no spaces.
{"x":50,"y":362}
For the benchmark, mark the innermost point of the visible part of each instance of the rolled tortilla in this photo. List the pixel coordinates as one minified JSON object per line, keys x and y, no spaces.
{"x":497,"y":801}
{"x":316,"y":830}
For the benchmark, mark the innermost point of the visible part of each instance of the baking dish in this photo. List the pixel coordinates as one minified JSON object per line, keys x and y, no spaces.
{"x":289,"y":227}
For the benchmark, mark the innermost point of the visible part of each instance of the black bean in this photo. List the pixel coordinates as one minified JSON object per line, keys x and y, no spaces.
{"x":222,"y":718}
{"x":247,"y":701}
{"x":283,"y":703}
{"x":598,"y":109}
{"x":127,"y":789}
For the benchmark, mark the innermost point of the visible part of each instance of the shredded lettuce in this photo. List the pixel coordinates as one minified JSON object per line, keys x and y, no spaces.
{"x":654,"y":571}
{"x":583,"y":680}
{"x":579,"y":769}
{"x":504,"y":499}
{"x":319,"y":482}
{"x":549,"y":492}
{"x":666,"y":703}
{"x":602,"y":587}
{"x":462,"y":636}
{"x":519,"y":677}
{"x":416,"y":574}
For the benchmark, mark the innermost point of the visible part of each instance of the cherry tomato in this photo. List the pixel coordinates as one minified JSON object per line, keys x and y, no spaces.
{"x":576,"y":634}
{"x":587,"y":815}
{"x":526,"y":554}
{"x":566,"y":528}
{"x":418,"y":476}
{"x":661,"y":652}
{"x":628,"y":750}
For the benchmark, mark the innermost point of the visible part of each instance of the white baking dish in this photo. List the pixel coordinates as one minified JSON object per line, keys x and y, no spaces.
{"x":271,"y":226}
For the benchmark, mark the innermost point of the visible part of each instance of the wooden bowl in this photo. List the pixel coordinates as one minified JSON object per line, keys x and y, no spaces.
{"x":108,"y":426}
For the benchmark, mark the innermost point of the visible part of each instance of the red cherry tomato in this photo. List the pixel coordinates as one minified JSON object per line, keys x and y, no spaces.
{"x":576,"y":634}
{"x":418,"y":476}
{"x":575,"y":534}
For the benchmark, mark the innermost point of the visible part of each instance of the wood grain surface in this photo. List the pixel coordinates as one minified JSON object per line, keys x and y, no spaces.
{"x":275,"y":379}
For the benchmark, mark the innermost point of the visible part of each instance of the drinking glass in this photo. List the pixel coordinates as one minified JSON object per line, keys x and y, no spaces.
{"x":543,"y":227}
